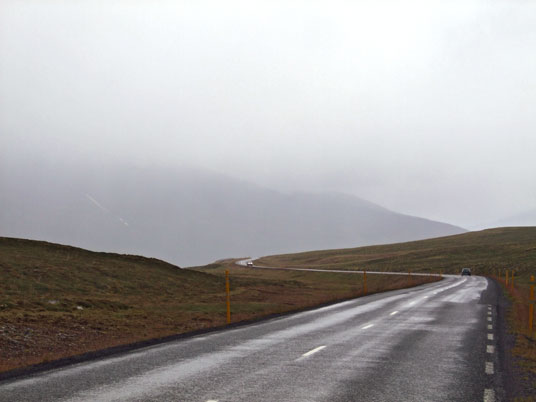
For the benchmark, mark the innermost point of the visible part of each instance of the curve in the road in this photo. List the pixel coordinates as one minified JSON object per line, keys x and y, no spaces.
{"x":435,"y":342}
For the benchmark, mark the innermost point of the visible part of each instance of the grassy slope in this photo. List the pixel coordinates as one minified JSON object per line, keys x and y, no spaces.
{"x":57,"y":301}
{"x":484,"y":251}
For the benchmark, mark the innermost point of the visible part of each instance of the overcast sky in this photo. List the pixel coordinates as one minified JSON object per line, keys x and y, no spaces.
{"x":425,"y":107}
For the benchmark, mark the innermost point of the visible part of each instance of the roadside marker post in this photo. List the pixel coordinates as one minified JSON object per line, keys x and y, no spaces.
{"x":364,"y":283}
{"x":228,"y":292}
{"x":506,"y":276}
{"x":531,"y":305}
{"x":512,"y":280}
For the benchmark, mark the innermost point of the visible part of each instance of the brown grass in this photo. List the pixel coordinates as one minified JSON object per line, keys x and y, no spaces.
{"x":525,"y":340}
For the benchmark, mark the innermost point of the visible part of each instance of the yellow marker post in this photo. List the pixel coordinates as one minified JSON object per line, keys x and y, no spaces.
{"x":506,"y":276}
{"x":364,"y":283}
{"x":512,"y":281}
{"x":228,"y":292}
{"x":531,"y":305}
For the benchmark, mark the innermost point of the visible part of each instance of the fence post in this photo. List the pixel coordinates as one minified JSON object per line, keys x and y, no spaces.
{"x":364,"y":283}
{"x":228,"y":293}
{"x":506,"y":276}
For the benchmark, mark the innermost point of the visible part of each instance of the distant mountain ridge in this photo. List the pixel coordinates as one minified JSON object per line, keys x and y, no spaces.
{"x":188,"y":216}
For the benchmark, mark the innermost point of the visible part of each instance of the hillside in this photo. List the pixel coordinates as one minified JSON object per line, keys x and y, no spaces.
{"x":484,"y":251}
{"x":188,"y":216}
{"x":58,"y":300}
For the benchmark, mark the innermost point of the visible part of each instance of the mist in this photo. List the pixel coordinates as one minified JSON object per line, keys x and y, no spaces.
{"x":422,"y":107}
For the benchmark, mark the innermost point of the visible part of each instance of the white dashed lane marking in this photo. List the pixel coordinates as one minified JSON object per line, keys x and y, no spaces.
{"x":489,"y":368}
{"x":368,"y":326}
{"x":393,"y":313}
{"x":318,"y":349}
{"x":489,"y":395}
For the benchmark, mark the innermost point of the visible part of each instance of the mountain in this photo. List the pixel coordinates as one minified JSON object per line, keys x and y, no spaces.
{"x":188,"y":216}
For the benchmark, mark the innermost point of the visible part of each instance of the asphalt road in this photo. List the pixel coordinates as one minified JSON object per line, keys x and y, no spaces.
{"x":435,"y":342}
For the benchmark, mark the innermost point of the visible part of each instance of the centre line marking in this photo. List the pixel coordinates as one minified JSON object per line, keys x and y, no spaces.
{"x":490,"y":348}
{"x":489,"y":395}
{"x":393,"y":313}
{"x":489,"y":368}
{"x":489,"y":312}
{"x":490,"y":326}
{"x":318,"y":349}
{"x":490,"y":337}
{"x":367,"y":326}
{"x":489,"y":318}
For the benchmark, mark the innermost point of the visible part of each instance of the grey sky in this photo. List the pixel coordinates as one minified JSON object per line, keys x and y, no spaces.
{"x":425,"y":107}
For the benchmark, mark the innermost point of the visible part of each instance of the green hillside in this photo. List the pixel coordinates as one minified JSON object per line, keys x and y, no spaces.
{"x":57,"y":301}
{"x":484,"y":252}
{"x":43,"y":272}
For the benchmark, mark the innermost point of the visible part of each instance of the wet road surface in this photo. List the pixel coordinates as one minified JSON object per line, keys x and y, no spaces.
{"x":434,"y":342}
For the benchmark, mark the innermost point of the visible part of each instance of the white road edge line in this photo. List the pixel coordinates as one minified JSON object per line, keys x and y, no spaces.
{"x":367,"y":326}
{"x":212,"y":400}
{"x":394,"y":312}
{"x":318,"y":349}
{"x":490,"y":348}
{"x":489,"y":368}
{"x":489,"y":395}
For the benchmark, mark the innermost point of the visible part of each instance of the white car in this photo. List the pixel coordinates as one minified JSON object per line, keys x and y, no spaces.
{"x":249,"y":264}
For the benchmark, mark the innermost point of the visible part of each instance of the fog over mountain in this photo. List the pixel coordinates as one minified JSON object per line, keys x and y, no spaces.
{"x":188,"y":216}
{"x":527,"y":218}
{"x":423,"y":107}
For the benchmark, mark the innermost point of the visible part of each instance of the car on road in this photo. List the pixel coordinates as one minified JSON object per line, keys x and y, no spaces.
{"x":250,"y":264}
{"x":466,"y":272}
